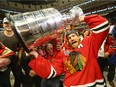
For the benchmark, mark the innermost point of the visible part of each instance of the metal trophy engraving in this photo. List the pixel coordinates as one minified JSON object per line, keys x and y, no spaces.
{"x":30,"y":26}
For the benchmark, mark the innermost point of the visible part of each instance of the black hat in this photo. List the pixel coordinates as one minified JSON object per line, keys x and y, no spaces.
{"x":71,"y":32}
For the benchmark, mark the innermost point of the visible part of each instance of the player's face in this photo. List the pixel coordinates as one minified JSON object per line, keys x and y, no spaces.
{"x":49,"y":49}
{"x":73,"y":40}
{"x":86,"y":33}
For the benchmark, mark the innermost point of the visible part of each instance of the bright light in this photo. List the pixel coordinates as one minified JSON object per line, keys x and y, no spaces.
{"x":9,"y":11}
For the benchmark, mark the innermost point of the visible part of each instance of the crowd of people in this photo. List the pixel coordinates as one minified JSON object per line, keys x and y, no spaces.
{"x":69,"y":58}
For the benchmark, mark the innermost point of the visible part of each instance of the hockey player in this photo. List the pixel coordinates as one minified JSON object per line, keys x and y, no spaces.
{"x":80,"y":66}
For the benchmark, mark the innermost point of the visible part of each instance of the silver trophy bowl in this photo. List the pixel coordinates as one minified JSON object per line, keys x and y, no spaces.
{"x":31,"y":26}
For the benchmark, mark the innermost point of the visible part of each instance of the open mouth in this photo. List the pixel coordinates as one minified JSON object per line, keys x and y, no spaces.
{"x":74,"y":42}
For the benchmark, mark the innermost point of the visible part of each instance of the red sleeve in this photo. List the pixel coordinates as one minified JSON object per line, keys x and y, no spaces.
{"x":41,"y":66}
{"x":6,"y":52}
{"x":99,"y":27}
{"x":46,"y":69}
{"x":43,"y":40}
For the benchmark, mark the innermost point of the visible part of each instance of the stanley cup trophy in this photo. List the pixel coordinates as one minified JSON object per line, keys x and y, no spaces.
{"x":30,"y":26}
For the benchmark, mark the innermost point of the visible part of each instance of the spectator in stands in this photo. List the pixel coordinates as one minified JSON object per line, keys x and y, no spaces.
{"x":112,"y":59}
{"x":8,"y":38}
{"x":6,"y":61}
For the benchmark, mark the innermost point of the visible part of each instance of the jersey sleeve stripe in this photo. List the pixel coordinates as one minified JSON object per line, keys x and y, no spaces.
{"x":53,"y":73}
{"x":100,"y":28}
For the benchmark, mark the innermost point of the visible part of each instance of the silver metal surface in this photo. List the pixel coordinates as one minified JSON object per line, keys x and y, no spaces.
{"x":31,"y":26}
{"x":76,"y":12}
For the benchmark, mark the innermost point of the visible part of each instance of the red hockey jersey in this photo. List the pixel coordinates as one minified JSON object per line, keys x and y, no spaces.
{"x":5,"y":52}
{"x":89,"y":74}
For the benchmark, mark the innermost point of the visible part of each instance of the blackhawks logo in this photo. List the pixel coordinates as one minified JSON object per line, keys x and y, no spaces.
{"x":75,"y":62}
